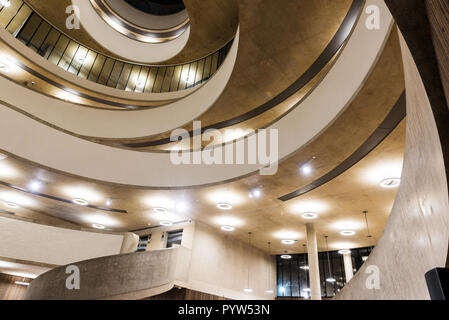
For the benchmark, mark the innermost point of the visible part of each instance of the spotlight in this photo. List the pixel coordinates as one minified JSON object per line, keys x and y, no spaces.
{"x":5,"y":3}
{"x":224,"y":206}
{"x":344,"y":251}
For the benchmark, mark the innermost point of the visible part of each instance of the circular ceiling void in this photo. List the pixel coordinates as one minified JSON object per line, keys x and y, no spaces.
{"x":145,"y":21}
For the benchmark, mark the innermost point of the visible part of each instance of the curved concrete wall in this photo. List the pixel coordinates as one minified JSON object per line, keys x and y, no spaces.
{"x":128,"y":276}
{"x":415,"y":239}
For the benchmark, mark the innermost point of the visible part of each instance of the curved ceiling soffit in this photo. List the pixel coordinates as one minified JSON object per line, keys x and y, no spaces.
{"x":122,"y":45}
{"x":89,"y":122}
{"x":155,"y":170}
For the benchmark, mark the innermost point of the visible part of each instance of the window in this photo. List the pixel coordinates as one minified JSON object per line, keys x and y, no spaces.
{"x":174,"y":238}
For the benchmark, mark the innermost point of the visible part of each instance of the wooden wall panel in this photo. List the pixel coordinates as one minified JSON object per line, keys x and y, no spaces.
{"x":9,"y":290}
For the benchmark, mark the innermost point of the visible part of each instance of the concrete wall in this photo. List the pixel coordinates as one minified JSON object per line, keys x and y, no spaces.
{"x":57,"y":246}
{"x":415,"y":239}
{"x":219,"y":266}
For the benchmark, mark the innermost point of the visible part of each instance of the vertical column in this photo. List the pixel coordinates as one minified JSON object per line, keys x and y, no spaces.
{"x":349,"y":271}
{"x":314,"y":270}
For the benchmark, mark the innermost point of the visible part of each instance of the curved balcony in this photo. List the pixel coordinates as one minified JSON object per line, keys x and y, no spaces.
{"x":26,"y":25}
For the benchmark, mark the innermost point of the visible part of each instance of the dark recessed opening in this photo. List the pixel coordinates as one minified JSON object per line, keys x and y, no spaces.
{"x":158,"y":7}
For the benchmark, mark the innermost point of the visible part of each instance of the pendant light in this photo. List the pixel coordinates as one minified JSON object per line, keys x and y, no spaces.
{"x":331,"y":279}
{"x":370,"y":237}
{"x":269,"y":290}
{"x":248,"y":288}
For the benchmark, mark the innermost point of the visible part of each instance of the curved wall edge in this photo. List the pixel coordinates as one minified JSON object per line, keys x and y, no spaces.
{"x":123,"y":46}
{"x":415,"y":239}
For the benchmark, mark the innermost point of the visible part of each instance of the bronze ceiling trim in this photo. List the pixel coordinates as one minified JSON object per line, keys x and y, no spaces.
{"x":326,"y":56}
{"x":134,"y":31}
{"x":5,"y":184}
{"x":393,"y":119}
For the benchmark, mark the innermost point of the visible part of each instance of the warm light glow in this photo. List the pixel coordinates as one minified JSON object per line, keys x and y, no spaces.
{"x":309,"y":215}
{"x":160,"y":210}
{"x":35,"y":186}
{"x":21,"y":283}
{"x":5,"y":3}
{"x":306,"y":169}
{"x":182,"y":207}
{"x":381,"y":171}
{"x":286,"y":257}
{"x":304,"y":267}
{"x":228,"y":221}
{"x":16,"y":198}
{"x":98,"y":226}
{"x":331,"y":280}
{"x":84,"y":193}
{"x":7,"y":171}
{"x":224,"y":206}
{"x":344,"y":251}
{"x":342,"y":245}
{"x":390,"y":183}
{"x":227,"y":228}
{"x":69,"y":97}
{"x":99,"y":219}
{"x":248,"y":290}
{"x":166,"y":223}
{"x":188,"y":77}
{"x":80,"y":202}
{"x":234,"y":134}
{"x":308,"y":206}
{"x":343,"y":225}
{"x":228,"y":197}
{"x":11,"y":205}
{"x":287,"y":234}
{"x":347,"y":233}
{"x":255,"y":194}
{"x":288,"y":242}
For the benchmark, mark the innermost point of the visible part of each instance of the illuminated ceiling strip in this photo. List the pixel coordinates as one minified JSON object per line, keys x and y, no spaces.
{"x":57,"y":198}
{"x":393,"y":119}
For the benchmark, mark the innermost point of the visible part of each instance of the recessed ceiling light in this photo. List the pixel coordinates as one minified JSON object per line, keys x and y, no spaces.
{"x":288,"y":242}
{"x":166,"y":223}
{"x":11,"y":205}
{"x":347,"y":233}
{"x":224,"y":206}
{"x":306,"y":169}
{"x":5,"y":3}
{"x":390,"y":183}
{"x":269,"y":291}
{"x":331,"y":280}
{"x":98,"y":226}
{"x":248,"y":290}
{"x":160,"y":210}
{"x":309,"y":215}
{"x":80,"y":202}
{"x":255,"y":194}
{"x":22,"y":283}
{"x":227,"y":228}
{"x":344,"y":251}
{"x":109,"y":202}
{"x":286,"y":257}
{"x":3,"y":156}
{"x":35,"y":186}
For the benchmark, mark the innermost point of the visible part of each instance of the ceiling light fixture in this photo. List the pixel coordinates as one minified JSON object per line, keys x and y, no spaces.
{"x":5,"y":3}
{"x":109,"y":202}
{"x":166,"y":223}
{"x":11,"y":205}
{"x":288,"y":242}
{"x":80,"y":202}
{"x":286,"y":257}
{"x":255,"y":194}
{"x":347,"y":233}
{"x":98,"y":226}
{"x":224,"y":206}
{"x":390,"y":183}
{"x":160,"y":210}
{"x":22,"y":283}
{"x":344,"y":251}
{"x":35,"y":186}
{"x":309,"y":215}
{"x":227,"y":228}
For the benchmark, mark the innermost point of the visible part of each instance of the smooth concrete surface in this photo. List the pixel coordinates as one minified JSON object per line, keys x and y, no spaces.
{"x":128,"y":276}
{"x":51,"y":245}
{"x":314,"y":268}
{"x":415,"y":239}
